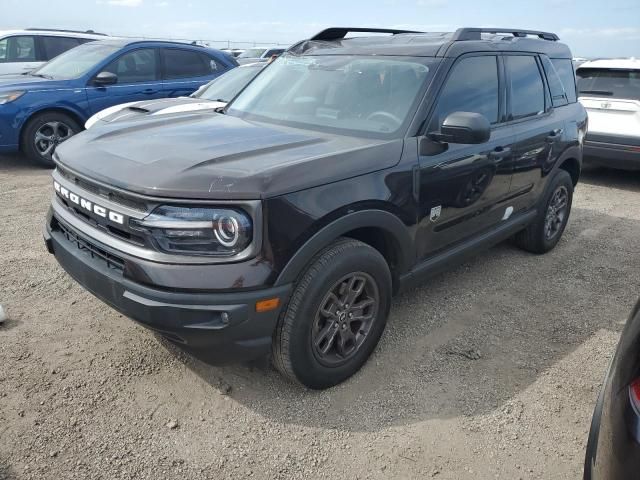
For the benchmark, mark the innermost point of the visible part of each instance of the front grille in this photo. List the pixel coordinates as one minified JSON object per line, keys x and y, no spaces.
{"x":96,"y":189}
{"x":112,"y":261}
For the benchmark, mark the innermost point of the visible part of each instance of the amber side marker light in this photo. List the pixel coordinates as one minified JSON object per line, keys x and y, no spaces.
{"x":266,"y":305}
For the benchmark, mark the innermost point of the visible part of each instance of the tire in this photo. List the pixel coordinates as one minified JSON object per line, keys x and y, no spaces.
{"x":44,"y":132}
{"x":301,"y":334}
{"x":535,"y":238}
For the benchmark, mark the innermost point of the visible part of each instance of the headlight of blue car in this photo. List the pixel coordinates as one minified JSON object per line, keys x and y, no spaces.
{"x":8,"y":97}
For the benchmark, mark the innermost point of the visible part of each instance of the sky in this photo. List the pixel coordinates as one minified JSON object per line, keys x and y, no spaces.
{"x":591,"y":28}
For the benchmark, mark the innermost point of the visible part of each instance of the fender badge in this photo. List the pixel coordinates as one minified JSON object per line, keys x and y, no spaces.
{"x":435,"y":213}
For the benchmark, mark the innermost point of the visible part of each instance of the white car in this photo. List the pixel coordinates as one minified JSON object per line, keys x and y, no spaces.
{"x":215,"y":94}
{"x":24,"y":50}
{"x":610,"y":91}
{"x":259,"y":53}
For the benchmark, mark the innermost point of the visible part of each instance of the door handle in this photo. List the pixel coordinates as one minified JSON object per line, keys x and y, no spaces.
{"x":555,"y":135}
{"x":500,"y":153}
{"x":149,"y":91}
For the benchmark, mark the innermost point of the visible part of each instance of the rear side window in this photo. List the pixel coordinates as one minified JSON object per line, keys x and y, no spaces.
{"x":136,"y":66}
{"x":564,"y":67}
{"x":54,"y":46}
{"x":472,"y":86}
{"x":558,"y":95}
{"x":187,"y":63}
{"x":527,"y":89}
{"x":609,"y":83}
{"x":18,"y":49}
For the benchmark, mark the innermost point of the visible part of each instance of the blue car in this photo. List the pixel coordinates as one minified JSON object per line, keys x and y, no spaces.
{"x":40,"y":109}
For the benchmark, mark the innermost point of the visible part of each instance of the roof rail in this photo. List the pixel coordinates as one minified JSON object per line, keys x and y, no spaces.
{"x":63,"y":31}
{"x":474,"y":33}
{"x":338,"y":33}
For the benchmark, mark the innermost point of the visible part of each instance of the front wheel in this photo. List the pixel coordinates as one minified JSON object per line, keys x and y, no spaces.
{"x":335,"y":317}
{"x":44,"y":133}
{"x":547,"y":229}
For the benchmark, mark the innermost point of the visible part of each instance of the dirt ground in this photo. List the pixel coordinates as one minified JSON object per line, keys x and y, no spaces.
{"x":488,"y":371}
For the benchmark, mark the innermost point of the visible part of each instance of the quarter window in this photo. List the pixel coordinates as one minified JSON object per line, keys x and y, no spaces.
{"x":472,"y":86}
{"x":527,"y":89}
{"x":186,"y":63}
{"x":17,"y":49}
{"x":564,"y":67}
{"x":134,"y":67}
{"x":558,"y":95}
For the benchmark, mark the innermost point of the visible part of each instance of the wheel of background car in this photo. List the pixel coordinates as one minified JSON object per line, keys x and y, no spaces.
{"x":44,"y":133}
{"x":335,"y":316}
{"x":385,"y":116}
{"x":547,"y":229}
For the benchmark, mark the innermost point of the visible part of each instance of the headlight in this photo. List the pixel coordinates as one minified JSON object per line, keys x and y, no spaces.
{"x":221,"y":232}
{"x":10,"y":96}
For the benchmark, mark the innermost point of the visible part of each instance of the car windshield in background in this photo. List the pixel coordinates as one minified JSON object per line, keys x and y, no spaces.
{"x":604,"y":82}
{"x":227,"y":86}
{"x":351,"y":94}
{"x":252,"y":53}
{"x":76,"y":62}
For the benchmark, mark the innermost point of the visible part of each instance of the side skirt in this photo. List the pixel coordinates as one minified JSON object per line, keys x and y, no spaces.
{"x":464,"y":250}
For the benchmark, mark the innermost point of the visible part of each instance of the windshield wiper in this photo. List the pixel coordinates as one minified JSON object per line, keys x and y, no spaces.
{"x":41,"y":75}
{"x":597,"y":92}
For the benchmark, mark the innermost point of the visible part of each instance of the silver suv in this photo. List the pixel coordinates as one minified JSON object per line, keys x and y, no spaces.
{"x":25,"y":50}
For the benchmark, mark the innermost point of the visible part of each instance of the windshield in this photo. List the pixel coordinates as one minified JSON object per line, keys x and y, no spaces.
{"x":338,"y":93}
{"x":227,"y":86}
{"x":76,"y":62}
{"x":252,"y":53}
{"x":603,"y":82}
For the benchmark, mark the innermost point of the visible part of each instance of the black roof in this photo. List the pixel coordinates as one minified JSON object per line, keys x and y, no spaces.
{"x":334,"y":41}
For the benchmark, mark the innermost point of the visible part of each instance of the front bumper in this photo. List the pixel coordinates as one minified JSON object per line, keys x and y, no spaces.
{"x":224,"y":326}
{"x":613,"y":151}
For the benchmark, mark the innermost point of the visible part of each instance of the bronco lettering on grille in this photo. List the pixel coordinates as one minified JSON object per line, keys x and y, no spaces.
{"x":87,"y":205}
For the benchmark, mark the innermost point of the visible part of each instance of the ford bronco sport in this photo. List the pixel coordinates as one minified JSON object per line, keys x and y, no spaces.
{"x":344,"y":173}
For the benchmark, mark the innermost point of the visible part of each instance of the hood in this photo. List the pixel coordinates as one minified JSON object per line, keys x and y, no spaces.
{"x":215,"y":156}
{"x":164,"y":106}
{"x":29,"y":82}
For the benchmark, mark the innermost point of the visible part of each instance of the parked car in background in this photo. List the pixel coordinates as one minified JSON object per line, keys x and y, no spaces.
{"x":45,"y":107}
{"x":610,"y":91}
{"x":613,"y":447}
{"x":259,"y":53}
{"x":235,"y":52}
{"x":215,"y":94}
{"x":25,"y":50}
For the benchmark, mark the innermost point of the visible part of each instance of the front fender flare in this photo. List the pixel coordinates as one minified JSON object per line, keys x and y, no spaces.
{"x":380,"y":219}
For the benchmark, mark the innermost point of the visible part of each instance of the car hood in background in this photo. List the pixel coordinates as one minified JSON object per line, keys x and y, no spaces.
{"x":204,"y":155}
{"x":164,"y":106}
{"x":28,"y":82}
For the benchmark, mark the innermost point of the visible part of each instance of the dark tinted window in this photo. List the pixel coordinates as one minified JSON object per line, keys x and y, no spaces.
{"x":603,"y":82}
{"x":527,"y":89}
{"x":187,"y":63}
{"x":54,"y":46}
{"x":136,"y":66}
{"x":558,"y":95}
{"x":472,"y":86}
{"x":565,"y":69}
{"x":17,"y":49}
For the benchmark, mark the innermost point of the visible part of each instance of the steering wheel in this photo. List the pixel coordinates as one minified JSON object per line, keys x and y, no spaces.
{"x":385,"y":116}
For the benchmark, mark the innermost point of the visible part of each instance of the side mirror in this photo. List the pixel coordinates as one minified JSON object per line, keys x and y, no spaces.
{"x":463,"y":127}
{"x":105,"y":78}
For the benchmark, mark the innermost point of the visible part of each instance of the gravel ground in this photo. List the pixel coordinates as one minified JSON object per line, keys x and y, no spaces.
{"x":488,"y":371}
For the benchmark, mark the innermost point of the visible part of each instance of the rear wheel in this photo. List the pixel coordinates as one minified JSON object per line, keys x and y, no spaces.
{"x":44,"y":133}
{"x":545,"y":232}
{"x":336,"y":315}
